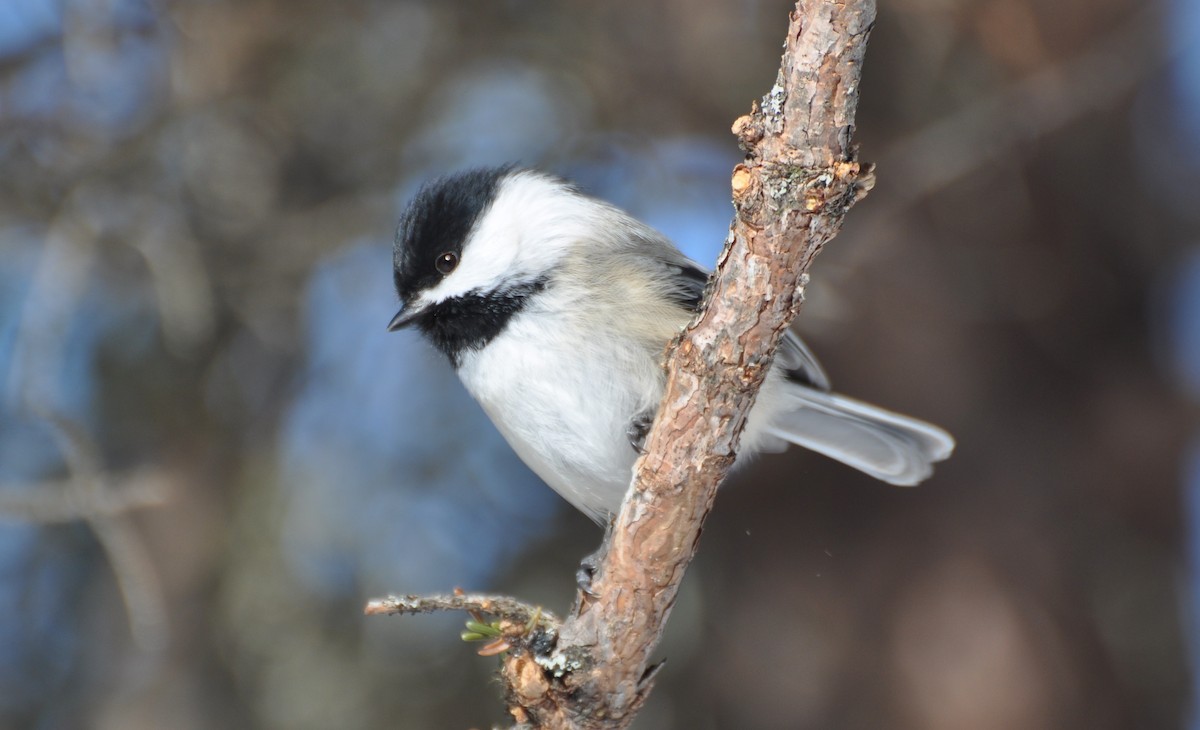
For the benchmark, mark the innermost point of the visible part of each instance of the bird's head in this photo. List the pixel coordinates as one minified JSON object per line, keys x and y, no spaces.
{"x":474,"y":246}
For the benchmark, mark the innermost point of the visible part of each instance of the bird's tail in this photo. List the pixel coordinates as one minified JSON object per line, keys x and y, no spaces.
{"x":888,"y":446}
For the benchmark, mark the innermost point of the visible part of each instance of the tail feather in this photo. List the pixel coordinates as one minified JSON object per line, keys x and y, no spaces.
{"x":888,"y":446}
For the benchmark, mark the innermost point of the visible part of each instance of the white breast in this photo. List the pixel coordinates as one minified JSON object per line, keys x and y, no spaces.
{"x":564,"y":397}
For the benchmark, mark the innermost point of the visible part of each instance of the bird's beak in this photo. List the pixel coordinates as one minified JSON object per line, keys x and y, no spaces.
{"x":404,"y":318}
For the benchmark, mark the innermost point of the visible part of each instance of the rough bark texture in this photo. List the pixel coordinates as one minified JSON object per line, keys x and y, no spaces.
{"x":798,"y":180}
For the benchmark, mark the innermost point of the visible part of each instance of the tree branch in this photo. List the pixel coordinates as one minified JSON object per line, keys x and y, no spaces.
{"x":799,"y":178}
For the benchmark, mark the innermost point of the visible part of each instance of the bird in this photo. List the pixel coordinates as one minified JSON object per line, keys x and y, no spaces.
{"x":555,"y":309}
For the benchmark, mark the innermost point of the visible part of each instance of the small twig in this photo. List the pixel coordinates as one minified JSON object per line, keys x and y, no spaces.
{"x":474,"y":603}
{"x":524,"y":635}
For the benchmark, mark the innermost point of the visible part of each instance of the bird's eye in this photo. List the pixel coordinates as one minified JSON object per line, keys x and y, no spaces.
{"x":446,"y":262}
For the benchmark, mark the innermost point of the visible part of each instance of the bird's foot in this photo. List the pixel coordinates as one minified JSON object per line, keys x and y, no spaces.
{"x":638,"y":429}
{"x":586,"y":572}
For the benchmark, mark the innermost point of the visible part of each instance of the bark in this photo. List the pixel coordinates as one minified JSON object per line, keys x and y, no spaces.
{"x":791,"y":193}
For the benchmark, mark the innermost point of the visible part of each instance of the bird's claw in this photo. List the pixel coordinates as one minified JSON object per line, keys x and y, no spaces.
{"x":586,"y":572}
{"x":638,"y":429}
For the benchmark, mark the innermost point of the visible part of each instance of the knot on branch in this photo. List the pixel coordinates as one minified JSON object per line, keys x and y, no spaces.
{"x":748,"y":129}
{"x":762,"y":190}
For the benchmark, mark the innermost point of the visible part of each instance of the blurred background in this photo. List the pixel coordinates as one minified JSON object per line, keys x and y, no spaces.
{"x":212,"y":453}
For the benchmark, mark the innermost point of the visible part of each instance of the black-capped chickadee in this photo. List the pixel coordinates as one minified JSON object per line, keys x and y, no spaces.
{"x":556,"y":309}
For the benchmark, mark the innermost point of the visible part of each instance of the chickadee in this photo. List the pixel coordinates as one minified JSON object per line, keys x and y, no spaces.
{"x":556,"y":309}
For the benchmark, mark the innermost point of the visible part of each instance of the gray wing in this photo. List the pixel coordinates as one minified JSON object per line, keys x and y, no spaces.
{"x":688,"y":280}
{"x":793,"y":356}
{"x":800,"y":364}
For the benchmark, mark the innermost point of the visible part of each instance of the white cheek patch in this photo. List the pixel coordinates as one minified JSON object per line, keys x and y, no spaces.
{"x":530,"y":226}
{"x":486,"y":261}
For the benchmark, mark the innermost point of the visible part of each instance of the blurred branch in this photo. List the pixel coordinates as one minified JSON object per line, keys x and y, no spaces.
{"x":87,"y":495}
{"x":57,"y":287}
{"x":130,"y":561}
{"x":64,"y":501}
{"x":799,"y":178}
{"x":994,"y":126}
{"x":181,"y":282}
{"x":44,"y":333}
{"x":138,"y":581}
